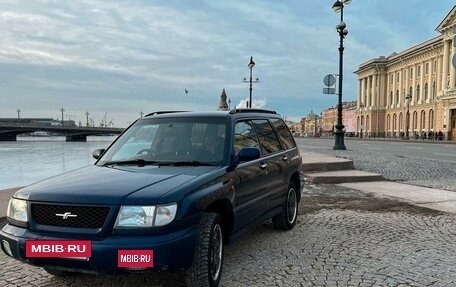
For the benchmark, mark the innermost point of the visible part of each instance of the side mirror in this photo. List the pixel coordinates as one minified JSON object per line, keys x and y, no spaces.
{"x":245,"y":154}
{"x":248,"y":154}
{"x":98,"y":153}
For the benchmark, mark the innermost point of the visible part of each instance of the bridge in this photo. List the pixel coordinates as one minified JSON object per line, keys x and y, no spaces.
{"x":8,"y":132}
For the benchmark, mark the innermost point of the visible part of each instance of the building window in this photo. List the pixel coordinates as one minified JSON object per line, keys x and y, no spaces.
{"x":418,"y":71}
{"x":391,"y":98}
{"x":426,"y":68}
{"x":397,"y":77}
{"x":415,"y":120}
{"x":423,"y":120}
{"x":434,"y":67}
{"x":400,"y":122}
{"x":411,"y":92}
{"x":418,"y":93}
{"x":397,"y":96}
{"x":425,"y":91}
{"x":388,"y":123}
{"x":394,"y":122}
{"x":411,"y":73}
{"x":434,"y":90}
{"x":431,"y":119}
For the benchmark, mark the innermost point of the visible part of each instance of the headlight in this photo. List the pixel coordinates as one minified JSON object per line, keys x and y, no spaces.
{"x":145,"y":216}
{"x":17,"y":210}
{"x":135,"y":216}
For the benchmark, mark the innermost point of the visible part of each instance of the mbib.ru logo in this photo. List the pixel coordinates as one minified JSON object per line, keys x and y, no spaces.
{"x":135,"y":258}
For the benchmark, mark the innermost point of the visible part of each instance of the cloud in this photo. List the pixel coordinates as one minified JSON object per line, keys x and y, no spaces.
{"x":115,"y":55}
{"x":257,"y":103}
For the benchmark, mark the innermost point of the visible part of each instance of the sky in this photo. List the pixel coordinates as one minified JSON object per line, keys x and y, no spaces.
{"x":118,"y":58}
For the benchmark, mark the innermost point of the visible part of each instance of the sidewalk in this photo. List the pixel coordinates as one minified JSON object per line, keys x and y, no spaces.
{"x":432,"y":198}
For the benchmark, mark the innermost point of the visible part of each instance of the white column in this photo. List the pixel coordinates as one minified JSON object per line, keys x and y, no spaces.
{"x":359,"y":93}
{"x":412,"y":101}
{"x":388,"y":88}
{"x":429,"y":79}
{"x":393,"y":88}
{"x":446,"y":56}
{"x":369,"y":91}
{"x":421,"y":83}
{"x":400,"y":87}
{"x":363,"y":90}
{"x":438,"y":81}
{"x":374,"y":90}
{"x":452,"y":69}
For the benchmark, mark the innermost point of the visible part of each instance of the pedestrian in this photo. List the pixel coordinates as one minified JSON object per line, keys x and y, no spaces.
{"x":440,"y":136}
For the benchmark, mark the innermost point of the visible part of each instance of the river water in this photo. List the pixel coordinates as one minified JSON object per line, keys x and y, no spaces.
{"x":31,"y":159}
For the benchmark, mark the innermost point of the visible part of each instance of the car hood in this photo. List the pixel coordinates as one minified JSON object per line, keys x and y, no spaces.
{"x":110,"y":185}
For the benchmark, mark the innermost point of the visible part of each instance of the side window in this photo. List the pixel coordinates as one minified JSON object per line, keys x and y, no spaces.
{"x":244,"y":136}
{"x":284,"y":133}
{"x":268,"y":139}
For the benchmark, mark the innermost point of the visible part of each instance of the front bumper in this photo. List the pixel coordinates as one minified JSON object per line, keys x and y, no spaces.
{"x":173,"y":251}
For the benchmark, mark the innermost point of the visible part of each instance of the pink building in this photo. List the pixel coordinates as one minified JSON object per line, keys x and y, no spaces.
{"x":349,"y":121}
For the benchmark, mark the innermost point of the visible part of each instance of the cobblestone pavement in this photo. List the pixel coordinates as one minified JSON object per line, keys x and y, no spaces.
{"x":422,"y":172}
{"x":343,"y":238}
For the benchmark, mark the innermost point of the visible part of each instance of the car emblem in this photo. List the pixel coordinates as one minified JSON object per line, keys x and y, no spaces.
{"x":66,"y":215}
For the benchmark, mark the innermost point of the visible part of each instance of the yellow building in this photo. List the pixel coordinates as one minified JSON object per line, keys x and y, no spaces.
{"x":412,"y":92}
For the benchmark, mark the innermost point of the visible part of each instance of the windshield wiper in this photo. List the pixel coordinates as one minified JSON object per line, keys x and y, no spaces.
{"x":186,"y":163}
{"x":139,"y":161}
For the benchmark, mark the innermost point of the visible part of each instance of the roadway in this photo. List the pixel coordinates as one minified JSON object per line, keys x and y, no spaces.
{"x":441,"y":151}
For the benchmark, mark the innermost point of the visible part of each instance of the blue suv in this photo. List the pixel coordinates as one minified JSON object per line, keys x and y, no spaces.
{"x":166,"y":195}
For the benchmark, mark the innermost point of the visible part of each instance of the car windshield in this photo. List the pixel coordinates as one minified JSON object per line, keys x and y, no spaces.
{"x":180,"y":141}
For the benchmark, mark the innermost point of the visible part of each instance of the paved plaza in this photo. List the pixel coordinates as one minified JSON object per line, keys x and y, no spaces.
{"x":343,"y":238}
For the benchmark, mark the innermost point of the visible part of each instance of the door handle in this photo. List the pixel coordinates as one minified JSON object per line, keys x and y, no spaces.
{"x":263,"y":165}
{"x":284,"y":158}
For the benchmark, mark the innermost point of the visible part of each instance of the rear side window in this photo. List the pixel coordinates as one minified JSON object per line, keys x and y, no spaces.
{"x":244,"y":136}
{"x":268,"y":139}
{"x":284,"y":133}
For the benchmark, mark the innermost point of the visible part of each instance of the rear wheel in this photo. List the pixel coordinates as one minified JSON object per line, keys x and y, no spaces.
{"x":286,"y":220}
{"x":206,"y":269}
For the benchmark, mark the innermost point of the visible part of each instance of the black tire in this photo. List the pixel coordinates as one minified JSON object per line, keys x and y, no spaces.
{"x":206,"y":269}
{"x":59,"y":273}
{"x":286,"y":219}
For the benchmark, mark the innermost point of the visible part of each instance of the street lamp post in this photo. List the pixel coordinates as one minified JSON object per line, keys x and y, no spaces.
{"x":338,"y":6}
{"x":62,"y":110}
{"x":361,"y":106}
{"x":87,"y":116}
{"x":250,"y":81}
{"x":407,"y":116}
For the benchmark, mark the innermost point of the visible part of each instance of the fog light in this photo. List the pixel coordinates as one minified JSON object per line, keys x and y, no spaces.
{"x":7,"y":248}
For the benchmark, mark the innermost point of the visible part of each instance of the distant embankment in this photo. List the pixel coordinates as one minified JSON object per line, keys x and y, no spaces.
{"x":9,"y":132}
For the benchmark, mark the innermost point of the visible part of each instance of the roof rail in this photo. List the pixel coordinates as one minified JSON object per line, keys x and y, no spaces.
{"x":249,"y":110}
{"x":163,"y":112}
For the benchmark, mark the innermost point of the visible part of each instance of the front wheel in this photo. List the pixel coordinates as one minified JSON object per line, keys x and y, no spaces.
{"x":206,"y":269}
{"x":286,"y":220}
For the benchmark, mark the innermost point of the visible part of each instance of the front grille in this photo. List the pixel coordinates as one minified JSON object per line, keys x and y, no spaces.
{"x":87,"y":217}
